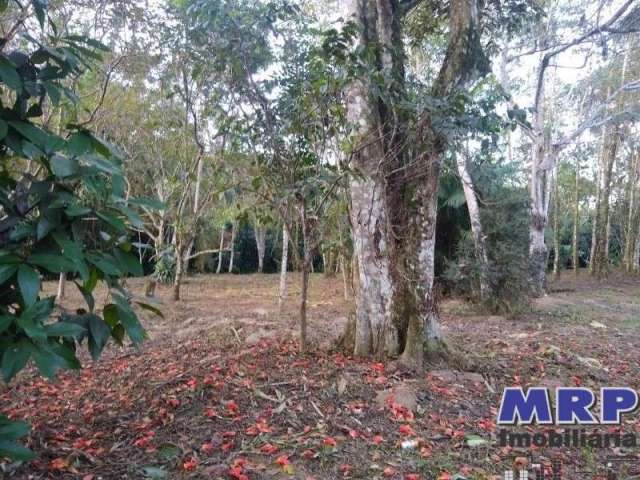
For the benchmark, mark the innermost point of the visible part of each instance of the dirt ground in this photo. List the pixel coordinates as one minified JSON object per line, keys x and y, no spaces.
{"x":220,"y":391}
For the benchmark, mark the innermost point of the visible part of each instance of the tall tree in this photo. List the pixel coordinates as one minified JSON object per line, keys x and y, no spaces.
{"x":394,"y":194}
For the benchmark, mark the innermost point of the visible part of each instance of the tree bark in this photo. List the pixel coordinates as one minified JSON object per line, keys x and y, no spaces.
{"x":261,"y":240}
{"x":221,"y":251}
{"x":556,"y":227}
{"x":599,"y":257}
{"x":632,"y":216}
{"x":479,"y":243}
{"x":282,"y":295}
{"x":62,"y":283}
{"x":307,"y":259}
{"x":576,"y":220}
{"x":375,"y":334}
{"x":346,"y":275}
{"x":177,"y":281}
{"x":232,"y":245}
{"x":542,"y":160}
{"x":394,"y":196}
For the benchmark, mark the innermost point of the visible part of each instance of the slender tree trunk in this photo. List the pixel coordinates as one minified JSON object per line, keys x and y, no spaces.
{"x":62,"y":283}
{"x":282,"y":295}
{"x":599,"y":257}
{"x":636,"y":255}
{"x":596,"y":213}
{"x":177,"y":281}
{"x":296,"y":262}
{"x":261,"y":240}
{"x":476,"y":227}
{"x":576,"y":220}
{"x":630,"y":230}
{"x":232,"y":247}
{"x":540,"y":183}
{"x":307,"y":259}
{"x":346,"y":275}
{"x":556,"y":227}
{"x":221,"y":251}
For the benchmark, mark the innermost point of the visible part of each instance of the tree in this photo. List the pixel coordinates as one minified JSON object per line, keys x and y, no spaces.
{"x":394,"y":194}
{"x":545,"y":151}
{"x":63,"y":210}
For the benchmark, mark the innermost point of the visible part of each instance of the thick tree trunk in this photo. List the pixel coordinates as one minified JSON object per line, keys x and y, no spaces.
{"x":261,"y":241}
{"x":282,"y":295}
{"x":394,"y":195}
{"x":375,"y":333}
{"x":479,"y":243}
{"x":424,"y":333}
{"x":232,"y":245}
{"x":221,"y":251}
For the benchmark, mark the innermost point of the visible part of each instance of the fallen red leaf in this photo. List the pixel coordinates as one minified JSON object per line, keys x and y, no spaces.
{"x":329,"y":442}
{"x":190,"y":464}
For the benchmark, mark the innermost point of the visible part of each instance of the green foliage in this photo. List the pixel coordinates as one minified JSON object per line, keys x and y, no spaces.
{"x":505,"y":222}
{"x":165,"y":267}
{"x":62,"y":210}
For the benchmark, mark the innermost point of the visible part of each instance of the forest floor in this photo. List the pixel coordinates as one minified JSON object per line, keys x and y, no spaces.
{"x":220,"y":391}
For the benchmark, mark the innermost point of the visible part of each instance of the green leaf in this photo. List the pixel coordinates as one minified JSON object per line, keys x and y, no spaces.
{"x":4,"y":129}
{"x":98,"y":336}
{"x":53,"y":91}
{"x":5,"y":322}
{"x":129,"y":320}
{"x":151,"y":308}
{"x":39,"y":7}
{"x":9,"y":75}
{"x":128,"y":263}
{"x":6,"y":272}
{"x":475,"y":441}
{"x":51,"y":262}
{"x":64,"y":329}
{"x":3,"y":5}
{"x":29,"y":283}
{"x":13,"y":430}
{"x":15,"y":451}
{"x":77,"y":211}
{"x":115,"y":222}
{"x":14,"y":359}
{"x":43,"y":228}
{"x":64,"y":166}
{"x":32,"y":133}
{"x":79,"y":144}
{"x":155,"y":473}
{"x":101,"y":163}
{"x":53,"y":356}
{"x":147,"y":202}
{"x":133,"y":217}
{"x":32,"y":327}
{"x":106,"y":263}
